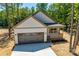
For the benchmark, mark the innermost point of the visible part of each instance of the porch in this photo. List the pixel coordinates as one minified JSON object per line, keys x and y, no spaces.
{"x":54,"y":31}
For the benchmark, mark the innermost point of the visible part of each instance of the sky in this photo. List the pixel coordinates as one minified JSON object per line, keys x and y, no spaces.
{"x":29,"y":5}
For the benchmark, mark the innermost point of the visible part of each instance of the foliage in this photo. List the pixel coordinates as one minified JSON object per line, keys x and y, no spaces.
{"x":41,"y":6}
{"x":59,"y":12}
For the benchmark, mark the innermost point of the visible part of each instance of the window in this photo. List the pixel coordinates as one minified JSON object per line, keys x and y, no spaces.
{"x":53,"y":30}
{"x":61,"y":28}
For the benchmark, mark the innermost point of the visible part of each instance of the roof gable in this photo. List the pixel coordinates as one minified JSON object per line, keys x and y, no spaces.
{"x":30,"y":22}
{"x":43,"y":18}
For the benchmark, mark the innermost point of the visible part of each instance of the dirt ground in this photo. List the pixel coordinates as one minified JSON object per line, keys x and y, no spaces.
{"x":77,"y":50}
{"x":2,"y":31}
{"x":7,"y":50}
{"x":62,"y":48}
{"x":6,"y":46}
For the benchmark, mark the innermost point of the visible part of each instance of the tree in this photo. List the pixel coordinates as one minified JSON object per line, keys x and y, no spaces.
{"x":75,"y":43}
{"x":60,"y":13}
{"x":7,"y":17}
{"x":71,"y":31}
{"x":32,"y":10}
{"x":2,"y":13}
{"x":52,"y":12}
{"x":13,"y":13}
{"x":25,"y":12}
{"x":41,"y":6}
{"x":18,"y":5}
{"x":1,"y":16}
{"x":9,"y":7}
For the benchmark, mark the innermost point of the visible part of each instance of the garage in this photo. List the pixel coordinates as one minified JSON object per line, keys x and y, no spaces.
{"x":30,"y":37}
{"x":30,"y":31}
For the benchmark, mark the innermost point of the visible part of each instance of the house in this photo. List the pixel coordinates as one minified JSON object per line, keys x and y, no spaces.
{"x":36,"y":28}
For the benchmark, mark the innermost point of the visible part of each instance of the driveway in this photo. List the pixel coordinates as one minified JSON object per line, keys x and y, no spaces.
{"x":36,"y":49}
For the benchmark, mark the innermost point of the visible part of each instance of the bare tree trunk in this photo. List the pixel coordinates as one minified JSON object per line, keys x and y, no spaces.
{"x":71,"y":29}
{"x":18,"y":5}
{"x":9,"y":32}
{"x":18,"y":19}
{"x":77,"y":37}
{"x":7,"y":17}
{"x":13,"y":6}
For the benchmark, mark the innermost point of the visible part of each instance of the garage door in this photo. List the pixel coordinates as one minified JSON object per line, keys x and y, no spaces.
{"x":30,"y":37}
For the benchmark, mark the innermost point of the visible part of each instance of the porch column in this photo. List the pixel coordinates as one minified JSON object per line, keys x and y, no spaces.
{"x":16,"y":38}
{"x":58,"y":30}
{"x":45,"y":35}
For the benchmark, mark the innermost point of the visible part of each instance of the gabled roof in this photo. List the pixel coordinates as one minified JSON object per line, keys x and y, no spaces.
{"x":26,"y":19}
{"x":56,"y":25}
{"x":40,"y":17}
{"x":43,"y":18}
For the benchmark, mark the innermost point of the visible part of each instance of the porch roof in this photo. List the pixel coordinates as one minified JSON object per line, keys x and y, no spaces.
{"x":56,"y":25}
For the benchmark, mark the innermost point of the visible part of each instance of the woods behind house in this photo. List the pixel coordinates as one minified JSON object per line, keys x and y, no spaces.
{"x":12,"y":13}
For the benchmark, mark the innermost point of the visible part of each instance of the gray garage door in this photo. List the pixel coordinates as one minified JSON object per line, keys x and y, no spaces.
{"x":30,"y":37}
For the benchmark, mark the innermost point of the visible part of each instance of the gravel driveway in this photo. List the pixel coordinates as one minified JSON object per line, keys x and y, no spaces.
{"x":36,"y":49}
